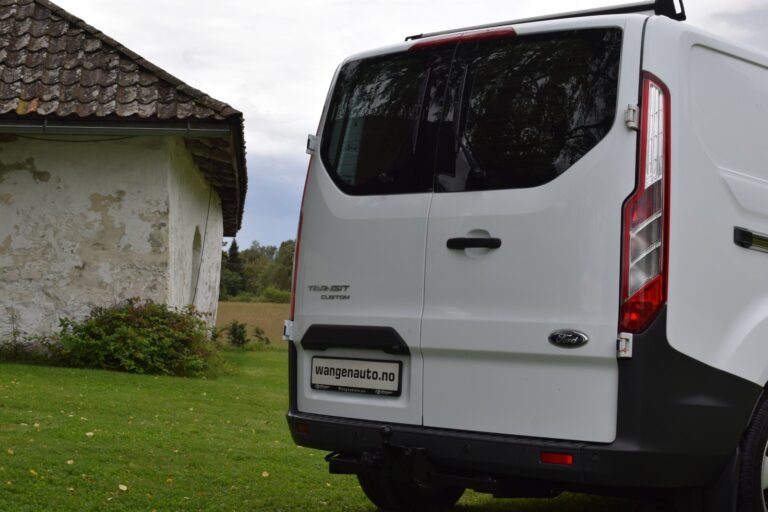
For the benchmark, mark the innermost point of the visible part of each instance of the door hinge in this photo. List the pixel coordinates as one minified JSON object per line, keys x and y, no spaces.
{"x":311,"y":144}
{"x":287,"y":330}
{"x":632,"y":117}
{"x":624,"y":345}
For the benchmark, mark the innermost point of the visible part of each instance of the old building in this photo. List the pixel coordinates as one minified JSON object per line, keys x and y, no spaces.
{"x":117,"y":180}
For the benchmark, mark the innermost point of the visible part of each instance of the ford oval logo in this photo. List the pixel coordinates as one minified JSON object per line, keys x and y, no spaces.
{"x":568,"y":339}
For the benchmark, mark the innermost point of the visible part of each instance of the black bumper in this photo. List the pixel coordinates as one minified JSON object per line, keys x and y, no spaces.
{"x":679,"y":424}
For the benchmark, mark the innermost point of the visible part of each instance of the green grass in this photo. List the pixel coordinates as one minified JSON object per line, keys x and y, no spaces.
{"x":70,"y":438}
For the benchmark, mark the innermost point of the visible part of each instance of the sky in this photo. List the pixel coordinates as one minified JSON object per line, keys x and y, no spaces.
{"x":274,"y":61}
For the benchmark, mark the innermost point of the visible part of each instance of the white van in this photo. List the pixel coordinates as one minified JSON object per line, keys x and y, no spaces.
{"x":532,"y":258}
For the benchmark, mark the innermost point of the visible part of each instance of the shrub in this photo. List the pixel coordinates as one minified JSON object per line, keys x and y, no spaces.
{"x":274,"y":295}
{"x":236,"y":333}
{"x":216,"y":333}
{"x":260,"y":336}
{"x":139,"y":337}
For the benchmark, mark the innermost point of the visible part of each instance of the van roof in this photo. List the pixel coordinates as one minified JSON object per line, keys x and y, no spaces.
{"x":660,"y":7}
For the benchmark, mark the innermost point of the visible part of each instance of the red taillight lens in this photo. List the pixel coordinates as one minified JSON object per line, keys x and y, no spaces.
{"x":646,"y":215}
{"x":298,"y":244}
{"x":562,"y":459}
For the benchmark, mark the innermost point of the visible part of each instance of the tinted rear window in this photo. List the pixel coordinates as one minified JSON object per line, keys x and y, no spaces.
{"x":383,"y":119}
{"x":511,"y":113}
{"x":528,"y":108}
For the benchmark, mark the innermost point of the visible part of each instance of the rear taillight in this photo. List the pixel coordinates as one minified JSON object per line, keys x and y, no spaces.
{"x":298,"y":244}
{"x":646,"y":215}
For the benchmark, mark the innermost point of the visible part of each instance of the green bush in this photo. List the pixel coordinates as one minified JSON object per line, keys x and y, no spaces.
{"x":274,"y":295}
{"x":139,"y":337}
{"x":260,"y":336}
{"x":236,"y":333}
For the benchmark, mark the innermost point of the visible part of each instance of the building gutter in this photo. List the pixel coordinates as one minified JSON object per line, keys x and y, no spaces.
{"x":187,"y":130}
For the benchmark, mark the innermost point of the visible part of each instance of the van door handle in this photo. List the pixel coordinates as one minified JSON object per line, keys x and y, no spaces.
{"x":467,"y":243}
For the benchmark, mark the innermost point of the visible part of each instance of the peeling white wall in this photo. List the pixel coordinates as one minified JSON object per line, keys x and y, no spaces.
{"x":85,"y":224}
{"x":194,"y":206}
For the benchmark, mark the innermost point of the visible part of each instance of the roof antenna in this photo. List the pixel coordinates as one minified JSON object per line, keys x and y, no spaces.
{"x":669,"y":8}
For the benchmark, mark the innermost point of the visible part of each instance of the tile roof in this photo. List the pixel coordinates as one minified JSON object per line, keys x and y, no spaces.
{"x":55,"y":66}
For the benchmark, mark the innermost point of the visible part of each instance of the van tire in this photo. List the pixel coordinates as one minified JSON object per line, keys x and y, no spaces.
{"x":751,"y":497}
{"x":392,"y":495}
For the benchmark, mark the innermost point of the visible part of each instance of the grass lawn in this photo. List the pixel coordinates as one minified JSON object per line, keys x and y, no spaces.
{"x":94,"y":440}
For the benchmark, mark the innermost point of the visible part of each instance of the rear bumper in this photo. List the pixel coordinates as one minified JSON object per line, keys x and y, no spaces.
{"x":679,"y":424}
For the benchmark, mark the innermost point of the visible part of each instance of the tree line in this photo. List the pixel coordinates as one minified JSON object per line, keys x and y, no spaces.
{"x":261,"y":273}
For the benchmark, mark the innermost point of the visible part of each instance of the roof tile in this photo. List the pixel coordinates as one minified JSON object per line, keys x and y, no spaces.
{"x":91,"y":45}
{"x":65,"y":109}
{"x":47,"y":107}
{"x":127,"y":109}
{"x":146,"y":110}
{"x":19,"y":26}
{"x":70,"y":76}
{"x":127,"y":94}
{"x":17,"y":43}
{"x":147,"y":95}
{"x":85,"y":109}
{"x":184,"y":110}
{"x":128,"y":79}
{"x":166,"y":110}
{"x":50,"y":93}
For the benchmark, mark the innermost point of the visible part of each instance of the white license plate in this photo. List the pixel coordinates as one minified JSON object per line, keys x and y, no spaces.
{"x":356,"y":375}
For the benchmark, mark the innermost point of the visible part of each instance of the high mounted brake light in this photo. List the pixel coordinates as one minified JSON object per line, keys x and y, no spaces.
{"x":465,"y":37}
{"x":645,"y":237}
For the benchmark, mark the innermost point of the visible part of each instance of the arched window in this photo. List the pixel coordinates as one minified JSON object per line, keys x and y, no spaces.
{"x":196,"y":260}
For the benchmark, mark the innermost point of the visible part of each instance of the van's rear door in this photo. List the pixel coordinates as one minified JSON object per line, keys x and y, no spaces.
{"x":360,"y":282}
{"x":534,"y":154}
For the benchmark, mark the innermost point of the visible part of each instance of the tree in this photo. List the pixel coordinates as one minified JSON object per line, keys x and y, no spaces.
{"x":234,"y":263}
{"x":282,"y":270}
{"x":260,"y":271}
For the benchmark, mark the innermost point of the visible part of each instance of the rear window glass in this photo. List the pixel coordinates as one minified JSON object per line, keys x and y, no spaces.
{"x":374,"y":140}
{"x":528,"y":108}
{"x":507,"y":113}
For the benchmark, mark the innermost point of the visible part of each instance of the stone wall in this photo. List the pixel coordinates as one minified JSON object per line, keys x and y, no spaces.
{"x":92,"y":223}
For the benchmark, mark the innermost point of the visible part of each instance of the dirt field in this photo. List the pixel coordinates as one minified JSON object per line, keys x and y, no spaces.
{"x":267,"y":315}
